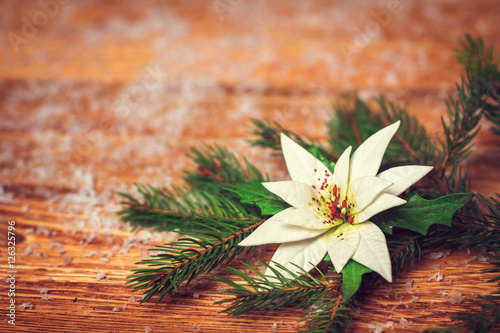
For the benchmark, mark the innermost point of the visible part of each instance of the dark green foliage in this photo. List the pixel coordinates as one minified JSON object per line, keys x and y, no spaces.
{"x":457,"y":180}
{"x":216,"y":165}
{"x":330,"y":314}
{"x":268,"y":136}
{"x":262,"y":293}
{"x":207,"y":208}
{"x":475,"y":226}
{"x":482,"y":220}
{"x":190,"y":212}
{"x":483,"y":63}
{"x":477,"y":93}
{"x":355,"y":121}
{"x":404,"y":249}
{"x":180,"y":262}
{"x":209,"y":213}
{"x":411,"y":141}
{"x":495,"y":261}
{"x":494,"y":117}
{"x":483,"y":320}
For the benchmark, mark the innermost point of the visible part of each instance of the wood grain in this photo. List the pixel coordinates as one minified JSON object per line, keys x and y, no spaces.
{"x":101,"y":95}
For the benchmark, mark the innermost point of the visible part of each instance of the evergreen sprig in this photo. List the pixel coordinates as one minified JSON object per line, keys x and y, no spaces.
{"x":477,"y":225}
{"x":188,"y":211}
{"x":212,"y":216}
{"x":268,"y":136}
{"x":178,"y":263}
{"x":494,"y":117}
{"x":261,"y":293}
{"x":404,"y":249}
{"x":216,"y":165}
{"x":352,"y":123}
{"x":329,"y":314}
{"x":472,"y":100}
{"x":483,"y":62}
{"x":482,"y":221}
{"x":355,"y":120}
{"x":495,"y":263}
{"x":411,"y":141}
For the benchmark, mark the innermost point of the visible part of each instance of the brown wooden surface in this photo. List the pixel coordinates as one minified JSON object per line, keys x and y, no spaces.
{"x":82,"y":117}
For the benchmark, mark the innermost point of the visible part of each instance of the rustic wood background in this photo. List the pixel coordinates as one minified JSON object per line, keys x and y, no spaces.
{"x":98,"y":95}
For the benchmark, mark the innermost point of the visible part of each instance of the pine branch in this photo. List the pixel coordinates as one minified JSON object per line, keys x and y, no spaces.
{"x":477,"y":225}
{"x":264,"y":294}
{"x":495,"y":263}
{"x":327,"y":311}
{"x":403,"y":249}
{"x":493,"y":115}
{"x":464,"y":115}
{"x":457,"y":180}
{"x":443,"y":182}
{"x":180,"y":262}
{"x":353,"y":122}
{"x":482,"y":220}
{"x":207,"y":209}
{"x":191,"y":212}
{"x":268,"y":136}
{"x":484,"y":62}
{"x":212,"y":215}
{"x":217,"y":165}
{"x":473,"y":95}
{"x":411,"y":138}
{"x":473,"y":54}
{"x":328,"y":315}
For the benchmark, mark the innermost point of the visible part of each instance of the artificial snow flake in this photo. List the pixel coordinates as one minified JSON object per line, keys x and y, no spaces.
{"x":330,"y":212}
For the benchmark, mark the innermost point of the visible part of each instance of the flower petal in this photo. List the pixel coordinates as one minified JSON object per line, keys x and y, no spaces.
{"x":341,"y":172}
{"x":342,"y":243}
{"x":306,"y":254}
{"x":302,"y":217}
{"x":302,"y":165}
{"x":372,"y":250}
{"x":383,"y":202}
{"x":367,"y":158}
{"x":294,"y":193}
{"x":272,"y":231}
{"x":365,"y":189}
{"x":403,"y":177}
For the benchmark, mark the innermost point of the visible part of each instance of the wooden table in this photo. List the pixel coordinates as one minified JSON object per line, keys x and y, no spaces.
{"x":97,"y":96}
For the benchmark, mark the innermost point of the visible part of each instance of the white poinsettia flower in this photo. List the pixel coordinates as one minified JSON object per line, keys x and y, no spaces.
{"x":331,"y":212}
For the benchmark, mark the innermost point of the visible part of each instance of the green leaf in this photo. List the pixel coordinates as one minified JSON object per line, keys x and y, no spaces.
{"x":254,"y":193}
{"x":418,"y":214}
{"x":352,"y":274}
